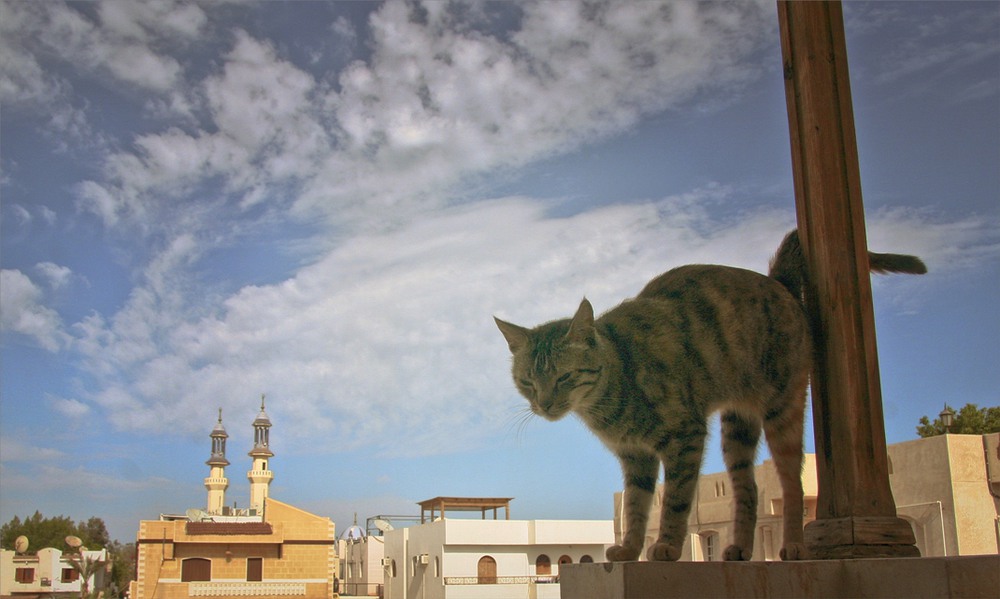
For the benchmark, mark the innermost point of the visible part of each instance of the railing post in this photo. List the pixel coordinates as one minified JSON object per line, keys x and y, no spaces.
{"x":856,"y":514}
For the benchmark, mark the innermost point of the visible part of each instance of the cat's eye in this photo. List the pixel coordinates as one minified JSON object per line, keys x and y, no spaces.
{"x":564,"y":377}
{"x":526,"y":383}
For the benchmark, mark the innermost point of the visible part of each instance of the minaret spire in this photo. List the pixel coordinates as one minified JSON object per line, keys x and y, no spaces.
{"x":217,"y":483}
{"x":259,"y":475}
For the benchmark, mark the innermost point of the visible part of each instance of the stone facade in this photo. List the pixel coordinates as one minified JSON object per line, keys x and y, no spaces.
{"x":946,"y":487}
{"x":289,"y":552}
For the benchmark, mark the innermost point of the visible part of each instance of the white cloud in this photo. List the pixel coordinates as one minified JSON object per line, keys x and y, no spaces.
{"x":14,"y":450}
{"x":56,"y":276}
{"x":140,"y":20}
{"x":22,"y":311}
{"x":388,"y":341}
{"x":439,"y":101}
{"x":69,"y":407}
{"x":390,"y":336}
{"x":91,"y":45}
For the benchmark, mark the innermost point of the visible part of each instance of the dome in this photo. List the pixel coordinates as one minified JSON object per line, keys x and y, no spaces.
{"x":353,"y":533}
{"x":219,"y":430}
{"x":262,"y":419}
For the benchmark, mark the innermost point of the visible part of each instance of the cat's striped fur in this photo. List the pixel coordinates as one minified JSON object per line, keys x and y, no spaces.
{"x":646,"y":376}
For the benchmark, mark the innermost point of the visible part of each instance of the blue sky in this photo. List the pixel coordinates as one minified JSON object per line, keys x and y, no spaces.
{"x":328,"y":202}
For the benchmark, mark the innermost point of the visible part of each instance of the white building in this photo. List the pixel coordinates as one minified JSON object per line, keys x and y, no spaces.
{"x":488,"y":559}
{"x":361,"y":563}
{"x":49,"y":572}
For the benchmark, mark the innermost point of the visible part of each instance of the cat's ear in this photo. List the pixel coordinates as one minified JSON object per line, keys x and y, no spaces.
{"x":517,"y":337}
{"x":581,"y":328}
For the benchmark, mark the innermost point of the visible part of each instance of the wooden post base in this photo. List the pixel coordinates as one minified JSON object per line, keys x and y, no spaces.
{"x":860,"y":537}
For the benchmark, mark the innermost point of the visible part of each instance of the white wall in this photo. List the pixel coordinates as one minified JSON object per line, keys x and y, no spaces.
{"x":454,"y":548}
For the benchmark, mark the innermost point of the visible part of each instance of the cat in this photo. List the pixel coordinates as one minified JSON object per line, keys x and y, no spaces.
{"x":646,"y":376}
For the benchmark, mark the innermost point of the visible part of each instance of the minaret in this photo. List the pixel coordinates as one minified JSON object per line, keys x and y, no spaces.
{"x":216,"y":483}
{"x":260,"y":477}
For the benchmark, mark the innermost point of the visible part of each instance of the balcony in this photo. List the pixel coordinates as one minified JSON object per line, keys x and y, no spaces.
{"x":246,"y":589}
{"x":468,"y":580}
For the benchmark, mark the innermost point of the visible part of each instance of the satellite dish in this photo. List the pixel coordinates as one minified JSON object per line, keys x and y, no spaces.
{"x":196,"y":515}
{"x":21,"y":544}
{"x":74,"y":541}
{"x":382,"y":525}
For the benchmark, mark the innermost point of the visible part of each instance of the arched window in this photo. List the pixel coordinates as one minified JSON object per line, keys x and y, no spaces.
{"x":543,"y":565}
{"x":586,"y":560}
{"x":487,"y":570}
{"x":196,"y":569}
{"x":565,"y":560}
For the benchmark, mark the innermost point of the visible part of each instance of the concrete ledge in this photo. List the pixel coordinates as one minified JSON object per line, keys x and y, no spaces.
{"x":913,"y":578}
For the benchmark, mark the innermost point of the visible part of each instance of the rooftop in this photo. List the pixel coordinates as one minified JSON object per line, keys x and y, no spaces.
{"x":463,"y":504}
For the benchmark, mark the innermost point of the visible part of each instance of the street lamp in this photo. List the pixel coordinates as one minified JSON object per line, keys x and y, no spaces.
{"x":947,"y":416}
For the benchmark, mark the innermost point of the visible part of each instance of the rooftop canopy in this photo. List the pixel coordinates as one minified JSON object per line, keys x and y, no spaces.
{"x":463,"y":504}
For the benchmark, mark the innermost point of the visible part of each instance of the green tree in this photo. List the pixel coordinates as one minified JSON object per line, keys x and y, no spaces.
{"x":122,"y":564}
{"x":41,"y":531}
{"x":52,"y":532}
{"x":970,"y":420}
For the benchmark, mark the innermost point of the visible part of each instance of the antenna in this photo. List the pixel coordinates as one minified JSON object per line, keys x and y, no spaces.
{"x":21,"y":544}
{"x":383,"y":525}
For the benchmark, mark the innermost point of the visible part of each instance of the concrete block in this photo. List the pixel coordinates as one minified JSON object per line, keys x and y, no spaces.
{"x":915,"y":578}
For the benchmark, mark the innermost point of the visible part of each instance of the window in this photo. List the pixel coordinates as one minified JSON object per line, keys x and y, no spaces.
{"x":487,"y":570}
{"x":69,"y":575}
{"x":24,"y":575}
{"x":255,"y":569}
{"x":710,"y":546}
{"x":543,"y":565}
{"x":586,"y":560}
{"x":196,"y":569}
{"x":565,"y":560}
{"x":720,"y":488}
{"x":437,"y":566}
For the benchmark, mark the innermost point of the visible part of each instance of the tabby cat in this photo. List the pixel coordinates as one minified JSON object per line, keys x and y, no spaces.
{"x":646,"y":376}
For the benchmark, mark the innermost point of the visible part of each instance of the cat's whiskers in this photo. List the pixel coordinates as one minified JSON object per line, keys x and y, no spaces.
{"x":518,"y":421}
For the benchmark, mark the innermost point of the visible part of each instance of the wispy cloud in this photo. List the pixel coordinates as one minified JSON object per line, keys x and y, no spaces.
{"x":24,"y":311}
{"x":386,"y":332}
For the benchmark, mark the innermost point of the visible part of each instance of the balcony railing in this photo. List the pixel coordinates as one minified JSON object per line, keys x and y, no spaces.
{"x":247,"y":589}
{"x":464,"y":580}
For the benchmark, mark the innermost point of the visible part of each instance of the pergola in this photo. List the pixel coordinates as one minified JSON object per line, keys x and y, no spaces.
{"x":463,"y":504}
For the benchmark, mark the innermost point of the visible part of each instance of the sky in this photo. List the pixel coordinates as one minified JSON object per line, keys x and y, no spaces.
{"x":326,"y":203}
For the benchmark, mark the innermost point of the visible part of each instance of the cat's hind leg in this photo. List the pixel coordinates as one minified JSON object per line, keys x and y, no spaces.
{"x":783,"y":430}
{"x":740,"y":436}
{"x":639,"y":470}
{"x":681,"y":463}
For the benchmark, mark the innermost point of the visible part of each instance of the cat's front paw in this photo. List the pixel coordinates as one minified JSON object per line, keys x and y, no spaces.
{"x":663,"y":552}
{"x":794,"y":552}
{"x":618,"y":553}
{"x":735,"y":553}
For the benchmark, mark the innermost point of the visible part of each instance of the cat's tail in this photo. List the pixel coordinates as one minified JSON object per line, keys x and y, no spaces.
{"x":788,"y":266}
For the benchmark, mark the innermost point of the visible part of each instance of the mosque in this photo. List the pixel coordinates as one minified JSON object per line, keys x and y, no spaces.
{"x":268,"y":549}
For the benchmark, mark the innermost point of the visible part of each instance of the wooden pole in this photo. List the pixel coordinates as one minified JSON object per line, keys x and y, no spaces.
{"x":856,"y":514}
